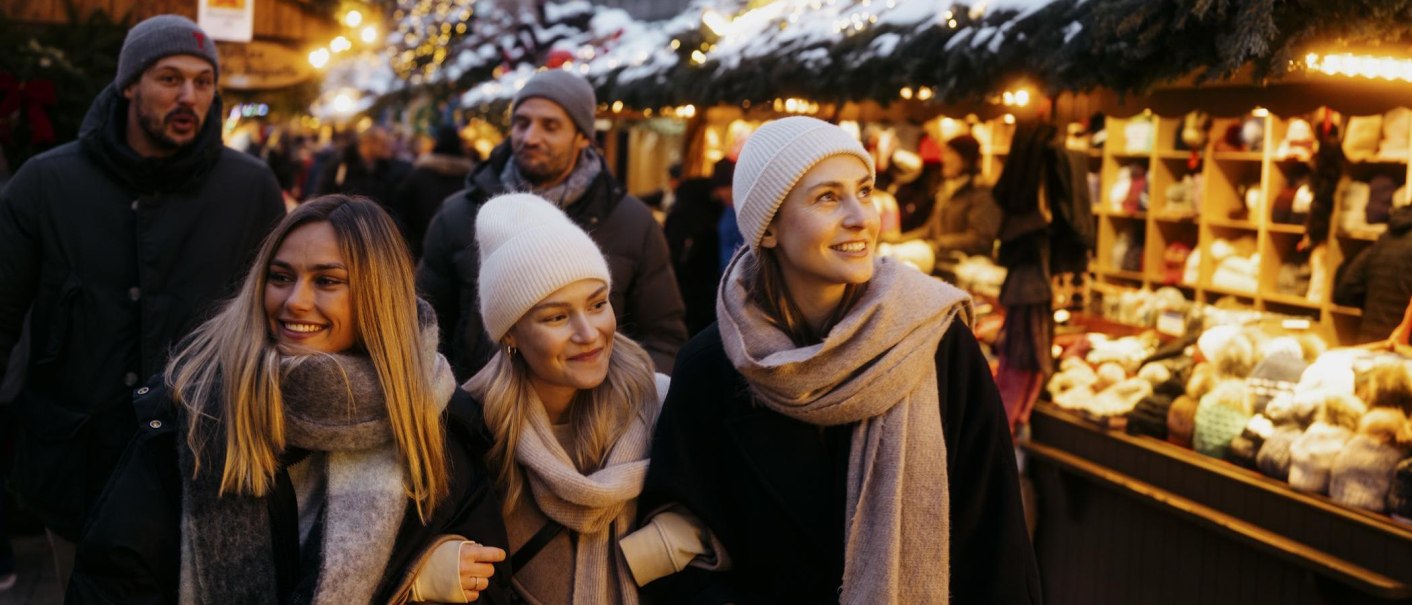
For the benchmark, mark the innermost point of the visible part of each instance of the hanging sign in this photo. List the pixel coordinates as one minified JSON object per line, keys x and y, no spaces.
{"x":227,"y":20}
{"x":261,"y":66}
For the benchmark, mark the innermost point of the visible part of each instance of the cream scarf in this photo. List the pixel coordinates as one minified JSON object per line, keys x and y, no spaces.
{"x":876,"y":368}
{"x":599,"y":507}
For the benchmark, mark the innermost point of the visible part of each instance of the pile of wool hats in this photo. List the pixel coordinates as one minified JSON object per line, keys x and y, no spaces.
{"x":1245,"y":447}
{"x":1103,"y":381}
{"x":1236,"y":264}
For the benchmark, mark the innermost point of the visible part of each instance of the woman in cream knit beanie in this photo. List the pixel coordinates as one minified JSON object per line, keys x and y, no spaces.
{"x":571,"y":404}
{"x":824,"y":352}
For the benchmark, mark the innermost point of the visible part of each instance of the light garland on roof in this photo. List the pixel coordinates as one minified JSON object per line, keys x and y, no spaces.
{"x":1360,"y":66}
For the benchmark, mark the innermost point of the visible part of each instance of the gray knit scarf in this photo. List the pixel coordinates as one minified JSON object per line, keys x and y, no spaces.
{"x":333,"y":404}
{"x":586,"y":170}
{"x":876,"y":368}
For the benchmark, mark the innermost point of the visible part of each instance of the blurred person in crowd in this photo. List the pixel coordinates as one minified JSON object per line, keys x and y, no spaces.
{"x":307,"y":444}
{"x":120,"y":242}
{"x":837,"y":430}
{"x":661,"y":201}
{"x":551,"y":153}
{"x":570,"y":401}
{"x":367,"y":167}
{"x":728,"y":238}
{"x":694,"y":245}
{"x":965,"y":218}
{"x":434,"y":177}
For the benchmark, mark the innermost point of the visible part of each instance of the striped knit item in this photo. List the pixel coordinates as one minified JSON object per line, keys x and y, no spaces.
{"x":529,"y":249}
{"x":772,"y":162}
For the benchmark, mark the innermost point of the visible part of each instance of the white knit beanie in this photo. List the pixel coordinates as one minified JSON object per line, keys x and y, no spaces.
{"x":528,"y":249}
{"x":774,"y":159}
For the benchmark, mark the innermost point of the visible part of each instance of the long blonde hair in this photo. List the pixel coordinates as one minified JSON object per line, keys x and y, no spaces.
{"x":598,"y":416}
{"x":230,"y":365}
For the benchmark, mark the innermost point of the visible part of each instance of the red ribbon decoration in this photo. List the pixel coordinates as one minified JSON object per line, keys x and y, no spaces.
{"x":32,"y":96}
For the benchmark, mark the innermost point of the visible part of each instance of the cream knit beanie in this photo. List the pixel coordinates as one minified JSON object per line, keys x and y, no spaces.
{"x":528,"y":249}
{"x":774,"y":159}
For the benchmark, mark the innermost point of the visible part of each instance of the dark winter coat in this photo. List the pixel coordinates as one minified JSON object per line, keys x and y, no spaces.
{"x":120,"y":256}
{"x":967,"y":222}
{"x":131,"y":553}
{"x":644,"y":293}
{"x":691,"y":237}
{"x":434,"y":177}
{"x":1379,"y":279}
{"x":772,"y":488}
{"x":377,"y":183}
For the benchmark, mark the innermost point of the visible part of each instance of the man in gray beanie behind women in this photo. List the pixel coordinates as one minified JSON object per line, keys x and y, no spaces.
{"x":119,"y":242}
{"x":551,"y":153}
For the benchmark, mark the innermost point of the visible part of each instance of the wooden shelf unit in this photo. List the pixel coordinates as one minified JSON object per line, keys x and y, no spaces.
{"x":1222,"y":213}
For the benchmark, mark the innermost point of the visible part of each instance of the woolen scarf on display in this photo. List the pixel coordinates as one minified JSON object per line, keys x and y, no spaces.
{"x":876,"y":368}
{"x":599,"y":507}
{"x":586,"y":170}
{"x":333,"y":404}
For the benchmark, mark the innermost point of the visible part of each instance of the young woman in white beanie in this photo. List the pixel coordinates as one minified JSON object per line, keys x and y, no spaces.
{"x":570,"y":401}
{"x":838,"y":431}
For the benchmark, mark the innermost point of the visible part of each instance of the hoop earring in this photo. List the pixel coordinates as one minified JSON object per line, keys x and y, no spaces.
{"x":511,"y":350}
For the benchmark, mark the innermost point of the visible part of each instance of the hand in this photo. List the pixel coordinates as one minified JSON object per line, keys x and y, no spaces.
{"x":476,"y":567}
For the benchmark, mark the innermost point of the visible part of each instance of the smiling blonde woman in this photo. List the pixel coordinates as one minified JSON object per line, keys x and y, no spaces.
{"x":571,"y":403}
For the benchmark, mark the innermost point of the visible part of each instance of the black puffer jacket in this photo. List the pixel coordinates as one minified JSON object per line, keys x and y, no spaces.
{"x":120,"y":256}
{"x":131,"y":553}
{"x":644,"y":294}
{"x":1379,"y":279}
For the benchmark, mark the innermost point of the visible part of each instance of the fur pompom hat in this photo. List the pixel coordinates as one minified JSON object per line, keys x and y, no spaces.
{"x":773,"y":160}
{"x":529,"y":249}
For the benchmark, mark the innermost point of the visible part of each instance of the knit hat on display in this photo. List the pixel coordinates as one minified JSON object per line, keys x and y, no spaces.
{"x":1311,"y":456}
{"x":159,"y":37}
{"x":1399,"y":497}
{"x":1362,"y":472}
{"x":1273,"y":459}
{"x":773,"y":160}
{"x":1245,"y":447}
{"x":1181,"y":420}
{"x":1278,"y":372}
{"x":1220,"y":416}
{"x":528,"y":250}
{"x":567,"y":90}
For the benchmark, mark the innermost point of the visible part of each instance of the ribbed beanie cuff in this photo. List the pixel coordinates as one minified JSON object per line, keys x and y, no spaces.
{"x":528,"y":249}
{"x":773,"y":160}
{"x":160,"y":37}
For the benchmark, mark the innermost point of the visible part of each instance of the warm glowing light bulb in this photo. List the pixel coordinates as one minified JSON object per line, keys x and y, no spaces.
{"x":340,"y":44}
{"x":370,"y":33}
{"x":353,"y":18}
{"x":319,"y":58}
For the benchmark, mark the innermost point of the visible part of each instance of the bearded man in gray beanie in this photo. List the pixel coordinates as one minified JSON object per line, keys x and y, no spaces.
{"x":551,"y":153}
{"x":117,"y":244}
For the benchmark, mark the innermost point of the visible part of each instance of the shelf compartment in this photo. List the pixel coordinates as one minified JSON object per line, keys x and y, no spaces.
{"x":1288,"y":300}
{"x":1286,"y":228}
{"x":1175,"y":154}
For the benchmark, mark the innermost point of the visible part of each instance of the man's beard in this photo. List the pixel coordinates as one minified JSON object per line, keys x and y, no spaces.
{"x":156,"y":128}
{"x":550,"y":170}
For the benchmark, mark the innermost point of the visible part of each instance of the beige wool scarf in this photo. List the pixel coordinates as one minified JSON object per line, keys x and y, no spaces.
{"x":876,"y":368}
{"x":600,"y":507}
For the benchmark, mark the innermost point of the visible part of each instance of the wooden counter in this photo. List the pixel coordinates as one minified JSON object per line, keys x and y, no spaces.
{"x":1124,"y":519}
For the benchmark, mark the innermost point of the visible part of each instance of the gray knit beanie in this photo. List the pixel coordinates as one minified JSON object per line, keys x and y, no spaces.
{"x":567,"y":90}
{"x":160,"y":37}
{"x":773,"y":160}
